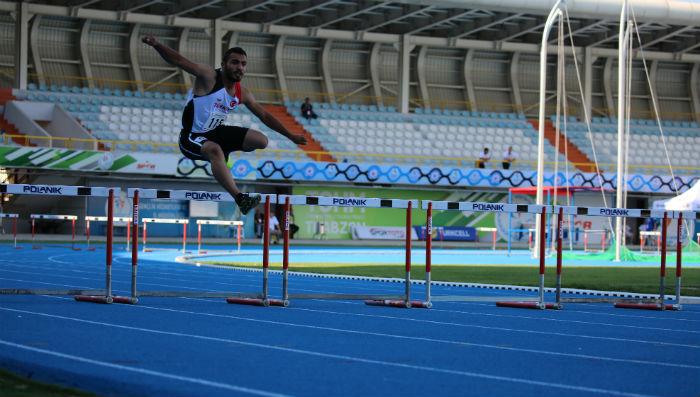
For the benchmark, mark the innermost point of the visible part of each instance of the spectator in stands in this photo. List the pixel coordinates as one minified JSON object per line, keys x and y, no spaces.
{"x":483,"y":158}
{"x":508,"y":158}
{"x":307,"y":110}
{"x":215,"y":93}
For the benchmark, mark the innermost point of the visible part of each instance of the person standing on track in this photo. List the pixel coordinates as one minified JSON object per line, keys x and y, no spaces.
{"x":215,"y":93}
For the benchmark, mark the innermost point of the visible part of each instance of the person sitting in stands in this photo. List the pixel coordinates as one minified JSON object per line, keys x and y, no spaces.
{"x":483,"y":158}
{"x":307,"y":110}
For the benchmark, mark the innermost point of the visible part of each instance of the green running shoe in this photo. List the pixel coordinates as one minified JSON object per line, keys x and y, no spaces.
{"x":247,"y":202}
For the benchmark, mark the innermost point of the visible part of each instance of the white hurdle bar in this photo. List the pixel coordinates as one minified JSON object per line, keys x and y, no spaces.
{"x":59,"y":190}
{"x":633,"y":303}
{"x":71,"y":218}
{"x":14,"y":216}
{"x":248,"y":298}
{"x":525,"y":302}
{"x":184,"y":223}
{"x":89,"y":219}
{"x":201,"y":222}
{"x":355,"y":202}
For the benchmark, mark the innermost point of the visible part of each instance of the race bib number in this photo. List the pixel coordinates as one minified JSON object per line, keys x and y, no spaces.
{"x":214,"y":120}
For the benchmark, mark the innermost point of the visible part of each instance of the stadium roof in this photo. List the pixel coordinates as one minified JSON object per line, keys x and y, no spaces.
{"x":670,"y":26}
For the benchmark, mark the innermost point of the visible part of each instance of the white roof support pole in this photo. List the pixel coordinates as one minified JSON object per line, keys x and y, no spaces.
{"x":34,"y":48}
{"x":326,"y":70}
{"x":181,"y":47}
{"x":422,"y":75}
{"x":517,"y":98}
{"x":215,"y":37}
{"x":553,"y":15}
{"x":134,"y":45}
{"x":624,"y":38}
{"x":588,"y":60}
{"x":695,"y":90}
{"x":404,"y":65}
{"x":607,"y":89}
{"x":85,"y":64}
{"x":21,"y":44}
{"x":279,"y":61}
{"x":468,"y":82}
{"x":375,"y":73}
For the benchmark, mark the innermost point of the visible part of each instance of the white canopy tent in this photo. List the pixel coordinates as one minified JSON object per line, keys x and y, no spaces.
{"x":688,"y":201}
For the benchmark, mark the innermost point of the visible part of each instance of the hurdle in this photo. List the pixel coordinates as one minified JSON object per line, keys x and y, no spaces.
{"x":634,"y":303}
{"x":643,"y":235}
{"x":201,"y":222}
{"x":57,"y":190}
{"x":14,"y":216}
{"x":71,"y":218}
{"x":89,"y":219}
{"x":492,"y":230}
{"x":535,"y":302}
{"x":248,"y":298}
{"x":370,"y":299}
{"x":184,"y":223}
{"x":604,"y":239}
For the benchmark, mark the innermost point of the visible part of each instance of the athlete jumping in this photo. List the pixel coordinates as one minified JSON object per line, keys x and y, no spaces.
{"x":215,"y":93}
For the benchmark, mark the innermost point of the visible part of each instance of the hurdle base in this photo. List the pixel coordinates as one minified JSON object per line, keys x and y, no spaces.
{"x":93,"y":299}
{"x":530,"y":305}
{"x":646,"y":306}
{"x":36,"y":247}
{"x":279,"y":302}
{"x":389,"y":303}
{"x":248,"y":301}
{"x":18,"y":247}
{"x":76,"y":249}
{"x":127,"y":300}
{"x":91,"y":249}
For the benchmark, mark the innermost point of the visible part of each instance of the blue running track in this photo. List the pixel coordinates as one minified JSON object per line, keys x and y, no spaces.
{"x":187,"y":346}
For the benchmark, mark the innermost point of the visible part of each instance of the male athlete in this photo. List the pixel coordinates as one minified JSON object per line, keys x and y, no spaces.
{"x":215,"y":93}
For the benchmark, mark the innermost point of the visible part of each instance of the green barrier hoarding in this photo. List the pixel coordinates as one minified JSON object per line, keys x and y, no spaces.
{"x":338,"y":221}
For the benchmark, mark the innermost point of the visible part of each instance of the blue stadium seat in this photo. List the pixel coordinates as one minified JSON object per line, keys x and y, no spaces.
{"x":364,"y":108}
{"x":418,"y":111}
{"x":158,"y":95}
{"x":43,"y":87}
{"x":32,"y":87}
{"x":138,"y":94}
{"x":178,"y":96}
{"x":148,"y":94}
{"x":372,"y":108}
{"x":75,"y":89}
{"x":168,"y":96}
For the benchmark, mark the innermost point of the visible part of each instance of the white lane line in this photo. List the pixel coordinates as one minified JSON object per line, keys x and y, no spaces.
{"x":421,"y":368}
{"x":451,"y":324}
{"x":203,"y":382}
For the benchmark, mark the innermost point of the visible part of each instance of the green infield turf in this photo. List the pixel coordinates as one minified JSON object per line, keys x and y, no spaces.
{"x":603,"y":278}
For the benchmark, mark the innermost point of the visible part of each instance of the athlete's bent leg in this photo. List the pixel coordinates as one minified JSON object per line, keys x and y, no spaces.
{"x":217,"y":160}
{"x":254,"y":140}
{"x":212,"y":152}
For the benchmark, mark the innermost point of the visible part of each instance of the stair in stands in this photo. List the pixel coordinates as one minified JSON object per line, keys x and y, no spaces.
{"x":9,"y":129}
{"x":574,"y":154}
{"x":280,"y":112}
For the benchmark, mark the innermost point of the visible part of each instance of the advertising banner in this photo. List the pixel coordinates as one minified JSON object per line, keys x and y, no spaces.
{"x":381,"y":233}
{"x":448,"y":233}
{"x":338,"y":222}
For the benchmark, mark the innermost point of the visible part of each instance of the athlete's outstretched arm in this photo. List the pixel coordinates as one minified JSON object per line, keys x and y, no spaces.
{"x":203,"y":72}
{"x":268,"y":119}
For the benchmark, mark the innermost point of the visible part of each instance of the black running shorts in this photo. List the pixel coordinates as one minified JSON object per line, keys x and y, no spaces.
{"x":230,"y":138}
